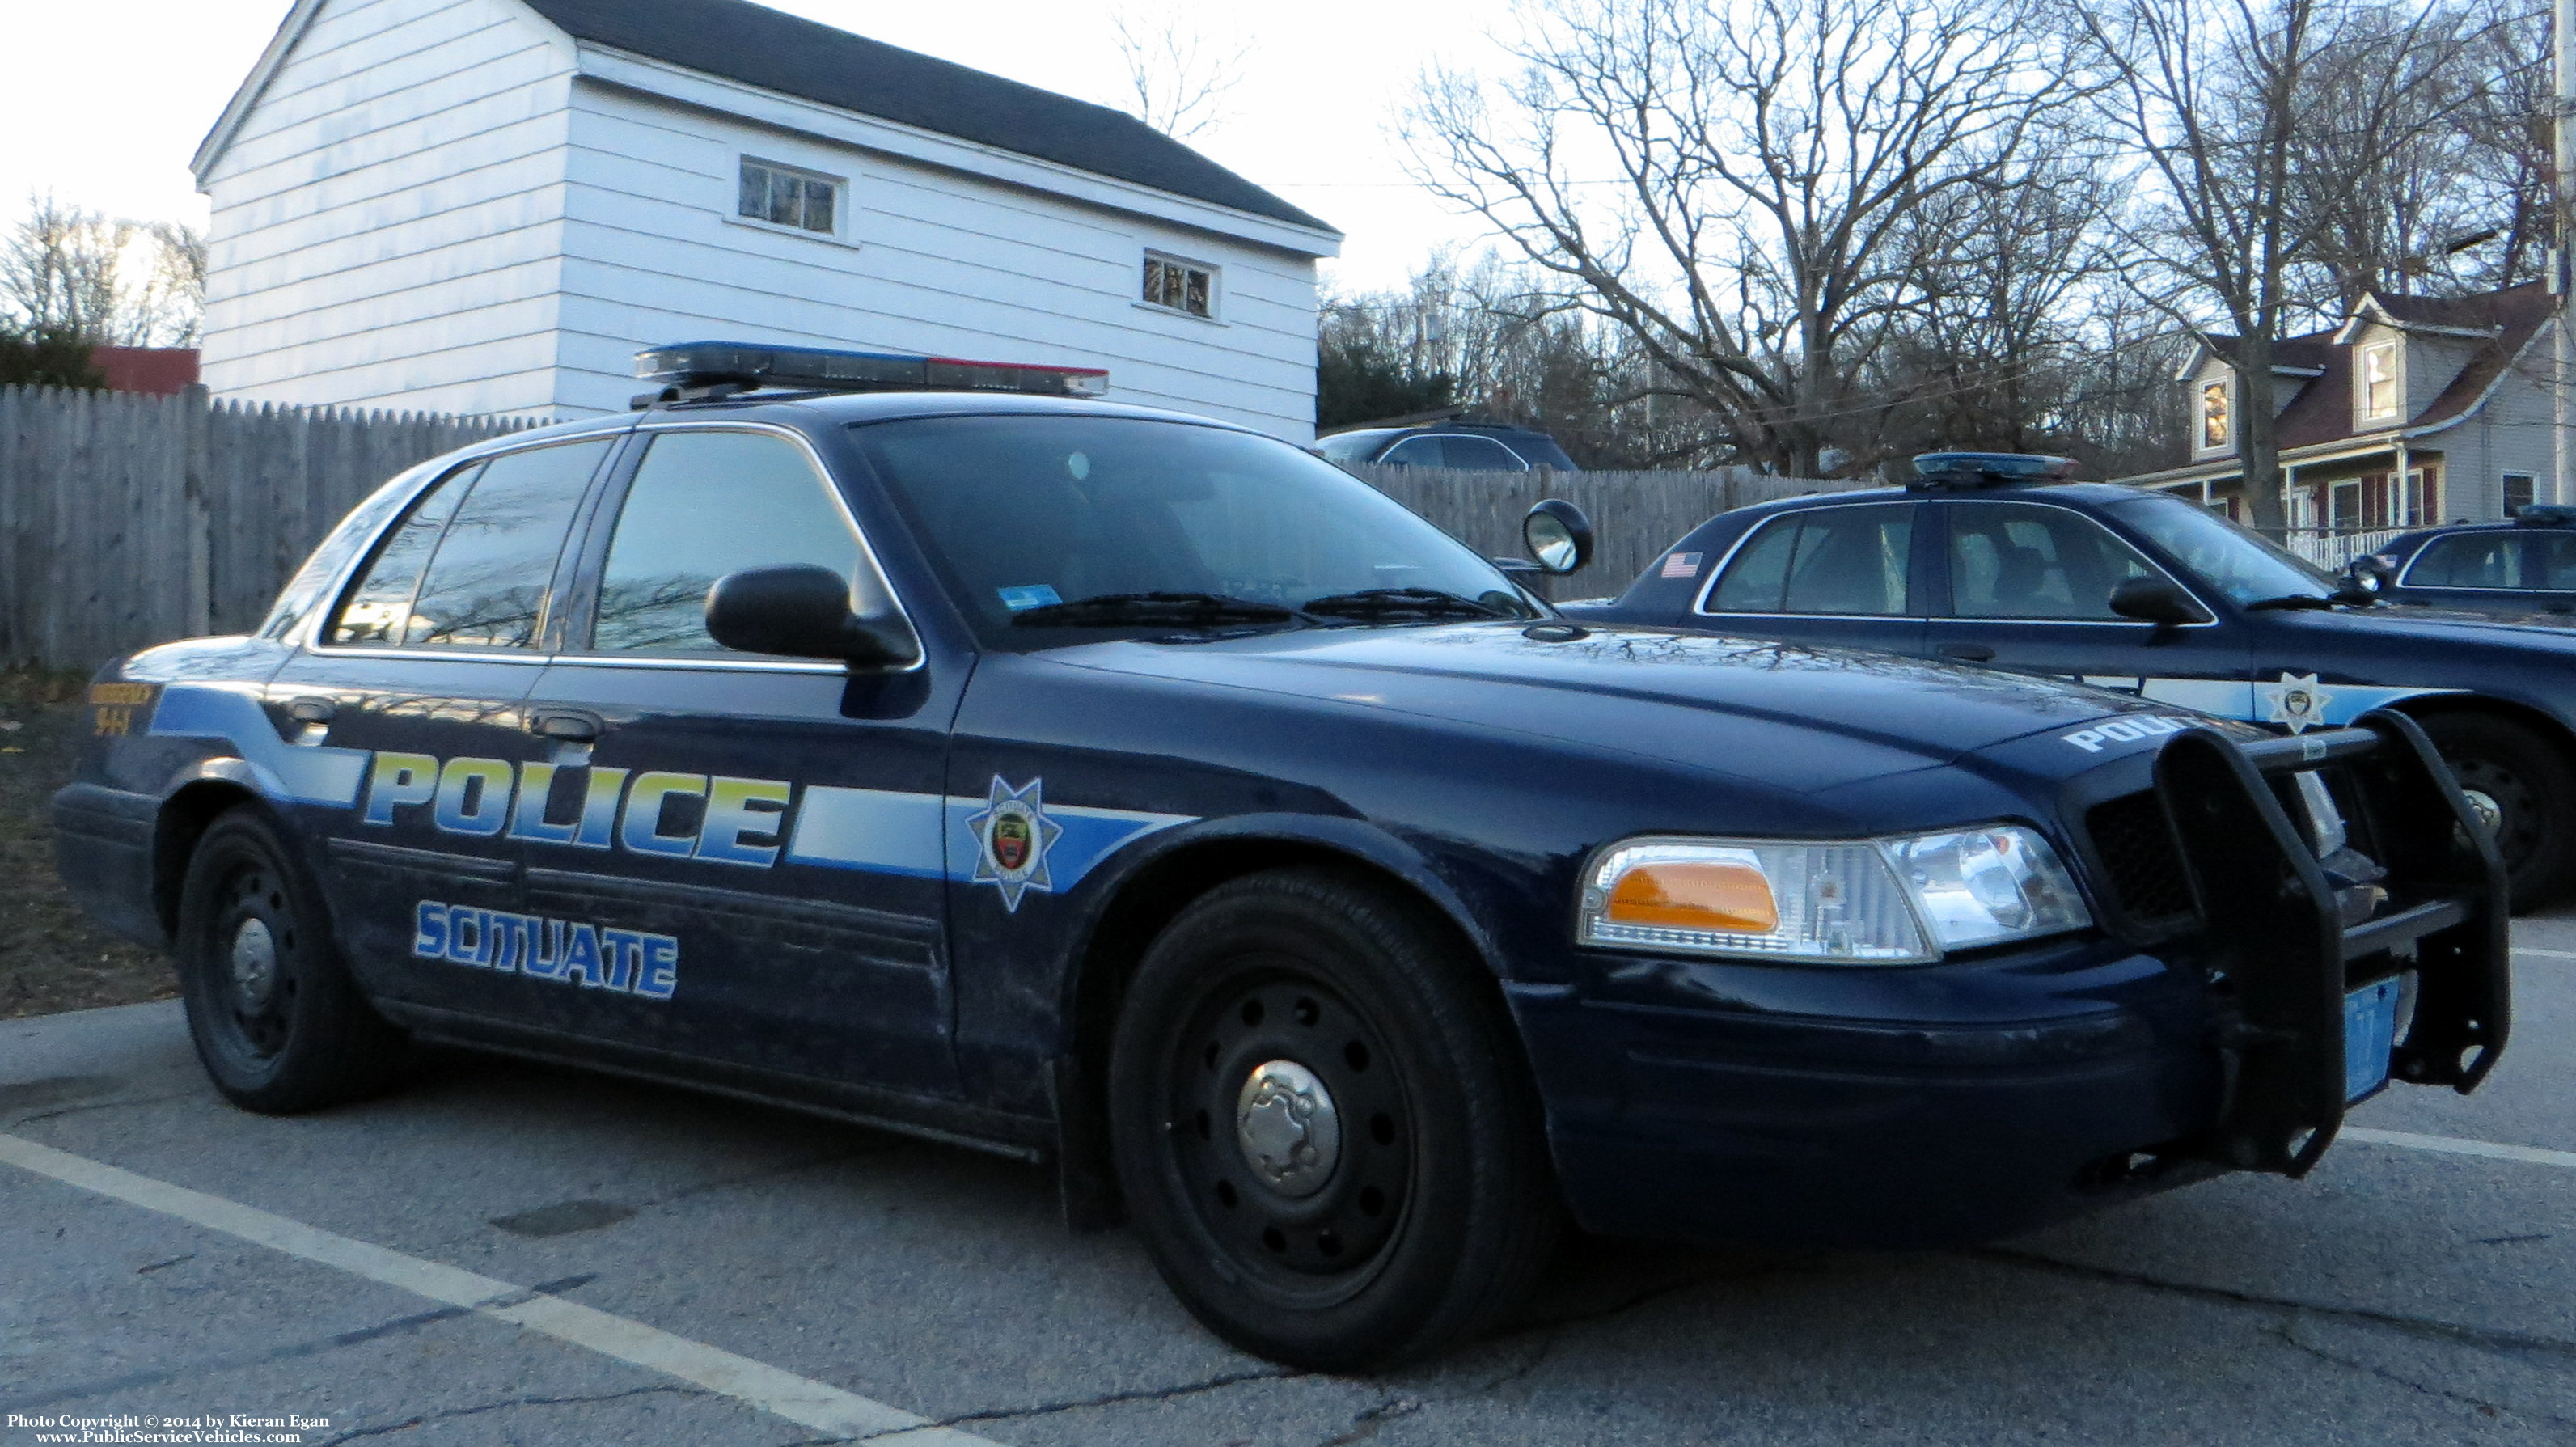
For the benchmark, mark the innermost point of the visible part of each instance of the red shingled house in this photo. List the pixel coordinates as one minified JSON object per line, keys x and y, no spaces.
{"x":159,"y":370}
{"x":2415,"y":410}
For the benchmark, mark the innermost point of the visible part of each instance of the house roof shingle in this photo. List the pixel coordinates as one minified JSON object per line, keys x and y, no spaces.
{"x":780,"y":52}
{"x":2322,"y":412}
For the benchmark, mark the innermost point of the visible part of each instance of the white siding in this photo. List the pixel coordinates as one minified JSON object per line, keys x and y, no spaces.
{"x":933,"y":261}
{"x":387,"y":220}
{"x":2510,"y":434}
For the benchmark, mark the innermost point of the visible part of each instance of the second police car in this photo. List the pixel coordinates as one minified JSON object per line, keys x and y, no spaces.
{"x":1996,"y":559}
{"x":1146,"y":796}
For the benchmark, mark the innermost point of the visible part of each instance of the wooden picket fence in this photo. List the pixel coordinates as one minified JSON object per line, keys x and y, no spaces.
{"x":128,"y":520}
{"x":1635,"y":515}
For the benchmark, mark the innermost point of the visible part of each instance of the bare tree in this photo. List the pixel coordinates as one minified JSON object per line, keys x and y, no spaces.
{"x":78,"y":274}
{"x":2221,"y":102}
{"x":1732,"y":185}
{"x":1179,"y":76}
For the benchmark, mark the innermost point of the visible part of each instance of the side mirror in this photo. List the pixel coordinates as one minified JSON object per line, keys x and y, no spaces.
{"x":803,"y":611}
{"x":2368,"y":574}
{"x":2155,"y":600}
{"x":1558,"y":535}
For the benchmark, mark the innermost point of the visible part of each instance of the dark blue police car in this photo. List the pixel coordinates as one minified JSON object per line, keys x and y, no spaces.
{"x":1997,"y":559}
{"x":2512,"y":568}
{"x":1146,"y":796}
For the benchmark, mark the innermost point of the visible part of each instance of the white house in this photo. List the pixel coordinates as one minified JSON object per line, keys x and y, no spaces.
{"x":2415,"y":410}
{"x":489,"y":205}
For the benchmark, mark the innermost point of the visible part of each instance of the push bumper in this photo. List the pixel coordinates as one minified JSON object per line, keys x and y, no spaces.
{"x":1973,"y":1099}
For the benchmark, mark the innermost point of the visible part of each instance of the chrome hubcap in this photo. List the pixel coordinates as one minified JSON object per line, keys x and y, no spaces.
{"x":254,"y":962}
{"x":2484,"y":805}
{"x":1287,"y":1127}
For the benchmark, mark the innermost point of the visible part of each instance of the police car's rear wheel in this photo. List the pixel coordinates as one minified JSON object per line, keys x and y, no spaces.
{"x":2524,"y":789}
{"x":275,"y":1018}
{"x":1322,"y":1128}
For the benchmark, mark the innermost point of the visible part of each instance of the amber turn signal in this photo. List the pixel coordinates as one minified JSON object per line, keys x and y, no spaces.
{"x":1701,"y":894}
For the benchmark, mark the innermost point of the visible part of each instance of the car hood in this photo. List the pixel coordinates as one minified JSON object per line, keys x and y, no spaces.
{"x":1791,"y":715}
{"x":2443,"y":621}
{"x":2555,"y":632}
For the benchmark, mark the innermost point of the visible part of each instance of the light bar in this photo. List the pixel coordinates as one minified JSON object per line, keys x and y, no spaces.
{"x":698,"y":364}
{"x":1989,"y":469}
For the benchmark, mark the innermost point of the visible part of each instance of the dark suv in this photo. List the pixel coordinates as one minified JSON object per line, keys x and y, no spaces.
{"x":1466,"y":446}
{"x":2527,"y":565}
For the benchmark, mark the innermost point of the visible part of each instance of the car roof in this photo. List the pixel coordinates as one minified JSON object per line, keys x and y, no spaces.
{"x":2081,"y":494}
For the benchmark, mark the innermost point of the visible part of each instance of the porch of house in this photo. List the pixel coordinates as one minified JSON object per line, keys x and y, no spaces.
{"x":2340,"y":507}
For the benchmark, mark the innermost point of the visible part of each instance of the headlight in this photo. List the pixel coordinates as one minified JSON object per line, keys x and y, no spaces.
{"x":1871,"y":902}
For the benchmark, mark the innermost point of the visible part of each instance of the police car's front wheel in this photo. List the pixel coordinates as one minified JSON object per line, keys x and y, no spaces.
{"x":276,"y":1020}
{"x":2522,"y":787}
{"x":1322,"y":1127}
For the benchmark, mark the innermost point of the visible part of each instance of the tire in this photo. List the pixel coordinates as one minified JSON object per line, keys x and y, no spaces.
{"x":276,"y":1019}
{"x":1413,"y":1213}
{"x":2527,"y":782}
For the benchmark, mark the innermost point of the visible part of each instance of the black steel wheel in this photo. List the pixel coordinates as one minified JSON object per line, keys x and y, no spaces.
{"x":1322,"y":1128}
{"x":2522,"y":786}
{"x":277,"y":1022}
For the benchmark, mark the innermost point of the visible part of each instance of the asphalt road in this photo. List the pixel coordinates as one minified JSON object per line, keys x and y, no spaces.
{"x":506,"y":1253}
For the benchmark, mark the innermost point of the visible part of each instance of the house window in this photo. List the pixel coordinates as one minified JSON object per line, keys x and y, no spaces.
{"x":2519,"y":492}
{"x":782,"y":196}
{"x":1183,"y":286}
{"x":2379,"y":379}
{"x":2213,"y":415}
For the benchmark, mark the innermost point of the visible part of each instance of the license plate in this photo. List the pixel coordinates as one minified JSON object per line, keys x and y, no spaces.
{"x":2369,"y":1033}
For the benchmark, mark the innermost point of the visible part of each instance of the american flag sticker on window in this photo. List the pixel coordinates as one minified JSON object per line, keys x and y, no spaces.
{"x":1681,"y":565}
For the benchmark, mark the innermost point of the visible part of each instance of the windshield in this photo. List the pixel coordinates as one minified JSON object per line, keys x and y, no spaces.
{"x":1024,"y":514}
{"x":1354,"y":446}
{"x":2242,"y":564}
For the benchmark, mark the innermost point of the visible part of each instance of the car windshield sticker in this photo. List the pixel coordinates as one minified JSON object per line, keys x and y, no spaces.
{"x":568,"y":952}
{"x":747,"y":823}
{"x":2125,"y":731}
{"x":1014,"y":835}
{"x":1681,"y":565}
{"x":1028,"y":595}
{"x":2295,"y":701}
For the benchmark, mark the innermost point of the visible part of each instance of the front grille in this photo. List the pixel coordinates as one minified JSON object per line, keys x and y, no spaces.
{"x":2140,"y":860}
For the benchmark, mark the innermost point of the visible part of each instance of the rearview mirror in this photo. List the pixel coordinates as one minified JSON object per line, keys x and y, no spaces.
{"x":2155,"y":600}
{"x":803,"y":611}
{"x":1558,"y":535}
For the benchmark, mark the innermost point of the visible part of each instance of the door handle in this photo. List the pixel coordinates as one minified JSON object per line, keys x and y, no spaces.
{"x":1968,"y":652}
{"x":568,"y":725}
{"x":312,"y":710}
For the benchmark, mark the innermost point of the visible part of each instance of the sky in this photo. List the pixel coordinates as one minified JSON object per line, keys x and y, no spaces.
{"x":1311,"y":116}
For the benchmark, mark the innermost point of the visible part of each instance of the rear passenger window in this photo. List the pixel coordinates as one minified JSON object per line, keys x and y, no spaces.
{"x":2469,"y":560}
{"x":378,"y":610}
{"x":1850,"y":561}
{"x":705,"y":504}
{"x":2556,"y":563}
{"x":471,"y":564}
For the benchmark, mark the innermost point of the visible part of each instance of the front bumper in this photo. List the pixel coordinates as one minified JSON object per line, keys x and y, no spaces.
{"x":1942,"y":1115}
{"x":103,"y":850}
{"x":1979,"y":1097}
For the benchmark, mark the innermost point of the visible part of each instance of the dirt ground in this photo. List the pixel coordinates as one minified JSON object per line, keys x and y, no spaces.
{"x":51,"y":957}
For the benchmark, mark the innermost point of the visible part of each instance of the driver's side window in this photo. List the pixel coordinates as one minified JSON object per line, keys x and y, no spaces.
{"x":2029,"y":560}
{"x":704,"y":504}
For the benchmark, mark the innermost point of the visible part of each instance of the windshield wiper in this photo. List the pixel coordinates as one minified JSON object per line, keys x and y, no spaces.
{"x":1400,"y":603}
{"x":2290,"y":600}
{"x":1155,"y":610}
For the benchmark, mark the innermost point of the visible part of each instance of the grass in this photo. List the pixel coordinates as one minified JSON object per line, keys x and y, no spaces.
{"x":51,"y":957}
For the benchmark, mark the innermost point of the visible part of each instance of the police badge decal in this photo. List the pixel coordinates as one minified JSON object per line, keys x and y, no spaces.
{"x":2296,"y":701}
{"x":1013,"y":834}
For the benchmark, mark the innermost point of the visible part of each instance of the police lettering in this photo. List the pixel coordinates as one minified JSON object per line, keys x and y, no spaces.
{"x":708,"y":817}
{"x":570,"y":952}
{"x":2125,"y":731}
